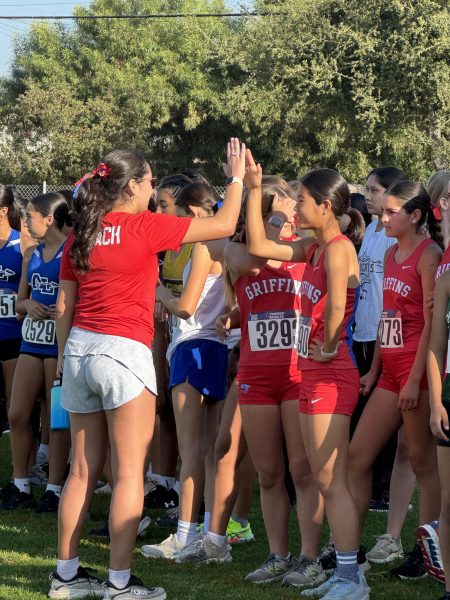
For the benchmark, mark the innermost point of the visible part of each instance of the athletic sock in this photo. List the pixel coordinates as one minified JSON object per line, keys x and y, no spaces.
{"x":176,"y":487}
{"x":287,"y":557}
{"x":67,"y":569}
{"x":217,"y":540}
{"x":186,"y":532}
{"x":242,"y":522}
{"x":119,"y":579}
{"x":23,"y":485}
{"x":57,"y":489}
{"x":43,"y":449}
{"x":206,"y":522}
{"x":347,"y":565}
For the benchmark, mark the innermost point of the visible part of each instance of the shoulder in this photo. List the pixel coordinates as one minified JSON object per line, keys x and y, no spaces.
{"x":431,"y":255}
{"x":27,"y":255}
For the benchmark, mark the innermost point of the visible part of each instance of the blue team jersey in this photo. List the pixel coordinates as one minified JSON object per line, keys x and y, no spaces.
{"x":10,"y":272}
{"x":39,"y":337}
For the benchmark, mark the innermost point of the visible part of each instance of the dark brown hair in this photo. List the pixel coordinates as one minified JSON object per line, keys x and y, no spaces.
{"x":9,"y":200}
{"x":54,"y":204}
{"x":199,"y":195}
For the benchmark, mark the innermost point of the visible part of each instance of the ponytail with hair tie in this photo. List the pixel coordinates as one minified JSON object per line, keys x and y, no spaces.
{"x":101,"y":171}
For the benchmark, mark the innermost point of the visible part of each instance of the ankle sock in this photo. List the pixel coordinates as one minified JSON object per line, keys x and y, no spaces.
{"x":43,"y":449}
{"x":67,"y":569}
{"x":176,"y":487}
{"x":242,"y":522}
{"x":119,"y":579}
{"x":23,"y":485}
{"x":186,"y":532}
{"x":206,"y":522}
{"x":57,"y":489}
{"x":217,"y":540}
{"x":347,"y":565}
{"x":287,"y":557}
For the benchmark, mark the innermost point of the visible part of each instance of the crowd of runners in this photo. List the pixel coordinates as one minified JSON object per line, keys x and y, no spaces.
{"x":295,"y":332}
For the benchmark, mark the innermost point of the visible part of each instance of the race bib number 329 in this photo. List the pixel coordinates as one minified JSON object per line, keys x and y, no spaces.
{"x":273,"y":330}
{"x":39,"y":332}
{"x":390,"y":329}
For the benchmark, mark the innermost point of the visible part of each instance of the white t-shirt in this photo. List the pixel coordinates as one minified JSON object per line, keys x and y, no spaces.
{"x":371,"y":266}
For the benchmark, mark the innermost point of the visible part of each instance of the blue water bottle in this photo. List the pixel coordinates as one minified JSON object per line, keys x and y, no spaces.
{"x":59,"y":416}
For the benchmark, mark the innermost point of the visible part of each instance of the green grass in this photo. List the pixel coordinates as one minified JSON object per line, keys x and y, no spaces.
{"x":28,"y":553}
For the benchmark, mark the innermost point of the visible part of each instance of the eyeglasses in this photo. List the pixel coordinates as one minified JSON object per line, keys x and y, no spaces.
{"x":153,"y":181}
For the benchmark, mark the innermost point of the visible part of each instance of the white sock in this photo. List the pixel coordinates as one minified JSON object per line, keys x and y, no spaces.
{"x":206,"y":522}
{"x":176,"y":487}
{"x":43,"y":449}
{"x":23,"y":485}
{"x":54,"y":488}
{"x":170,"y":482}
{"x":119,"y":578}
{"x":67,"y":569}
{"x":217,"y":540}
{"x":186,"y":532}
{"x":149,"y":473}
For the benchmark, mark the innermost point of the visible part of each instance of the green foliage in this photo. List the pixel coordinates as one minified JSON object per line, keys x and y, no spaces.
{"x":348,"y":84}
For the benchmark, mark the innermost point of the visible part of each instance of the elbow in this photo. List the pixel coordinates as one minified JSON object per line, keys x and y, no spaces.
{"x":185,"y":314}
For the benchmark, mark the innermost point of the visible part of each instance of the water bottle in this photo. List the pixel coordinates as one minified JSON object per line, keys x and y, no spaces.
{"x":59,"y":416}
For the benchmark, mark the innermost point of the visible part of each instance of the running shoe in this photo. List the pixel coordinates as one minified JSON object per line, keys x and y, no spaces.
{"x":328,"y":560}
{"x":133,"y":590}
{"x":386,"y":549}
{"x":4,"y":492}
{"x":168,"y":549}
{"x":48,"y":503}
{"x":17,"y":499}
{"x":170,"y":519}
{"x":413,"y":568}
{"x":83,"y":584}
{"x":103,"y":532}
{"x":348,"y":589}
{"x":204,"y":551}
{"x":322,"y":589}
{"x":41,"y":458}
{"x":428,"y":541}
{"x":39,"y":474}
{"x":380,"y":505}
{"x":305,"y":572}
{"x":238,"y":534}
{"x":156,"y":497}
{"x":105,"y":489}
{"x":272,"y":569}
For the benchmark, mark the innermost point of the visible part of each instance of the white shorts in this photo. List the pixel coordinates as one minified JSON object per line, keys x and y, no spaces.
{"x":102,"y":372}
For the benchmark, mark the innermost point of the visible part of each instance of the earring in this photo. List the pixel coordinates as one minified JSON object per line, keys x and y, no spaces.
{"x":413,"y":221}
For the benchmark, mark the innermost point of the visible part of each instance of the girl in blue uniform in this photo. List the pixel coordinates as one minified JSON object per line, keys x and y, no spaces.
{"x":36,"y":366}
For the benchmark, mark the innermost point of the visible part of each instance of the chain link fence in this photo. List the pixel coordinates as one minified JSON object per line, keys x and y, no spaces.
{"x":30,"y":191}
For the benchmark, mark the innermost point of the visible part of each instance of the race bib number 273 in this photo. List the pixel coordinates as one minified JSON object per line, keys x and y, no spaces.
{"x":390,"y":329}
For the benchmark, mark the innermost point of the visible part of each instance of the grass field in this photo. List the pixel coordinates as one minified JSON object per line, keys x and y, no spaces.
{"x":28,"y":552}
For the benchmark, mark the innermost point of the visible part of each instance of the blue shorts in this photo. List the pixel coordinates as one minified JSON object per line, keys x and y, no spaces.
{"x":202,"y":364}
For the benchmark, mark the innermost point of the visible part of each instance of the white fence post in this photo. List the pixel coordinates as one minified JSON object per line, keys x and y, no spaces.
{"x":44,"y":187}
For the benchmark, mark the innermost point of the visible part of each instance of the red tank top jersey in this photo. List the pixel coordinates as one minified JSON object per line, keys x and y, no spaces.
{"x":444,"y":264}
{"x":269,"y":304}
{"x":313,"y":299}
{"x":402,"y":319}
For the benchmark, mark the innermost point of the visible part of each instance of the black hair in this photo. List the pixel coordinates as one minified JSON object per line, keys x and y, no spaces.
{"x":356,"y":228}
{"x":174,"y":184}
{"x":358,"y":202}
{"x":9,"y":199}
{"x":197,"y":176}
{"x":96,"y":197}
{"x":387,"y":176}
{"x":197,"y":194}
{"x":53,"y":204}
{"x":414,"y":196}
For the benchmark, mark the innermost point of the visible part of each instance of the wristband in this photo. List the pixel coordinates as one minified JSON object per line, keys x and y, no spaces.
{"x":230,"y":180}
{"x":324,"y":354}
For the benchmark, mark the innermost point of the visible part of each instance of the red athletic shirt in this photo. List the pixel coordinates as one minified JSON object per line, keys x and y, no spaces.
{"x":444,"y":265}
{"x":314,"y":297}
{"x":117,"y":295}
{"x":269,"y":303}
{"x":402,"y":319}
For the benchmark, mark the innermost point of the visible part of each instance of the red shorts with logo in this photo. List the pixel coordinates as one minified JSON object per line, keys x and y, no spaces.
{"x":395,"y":370}
{"x":329,"y":391}
{"x":271,"y":384}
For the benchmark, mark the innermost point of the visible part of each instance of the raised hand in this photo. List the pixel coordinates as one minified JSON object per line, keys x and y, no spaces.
{"x":285,"y":205}
{"x":253,"y":172}
{"x":235,"y":165}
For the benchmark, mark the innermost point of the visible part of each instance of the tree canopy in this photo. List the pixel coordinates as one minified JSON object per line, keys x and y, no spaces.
{"x":346,"y":84}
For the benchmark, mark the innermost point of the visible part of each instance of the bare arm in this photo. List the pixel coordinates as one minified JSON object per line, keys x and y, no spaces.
{"x":64,"y":312}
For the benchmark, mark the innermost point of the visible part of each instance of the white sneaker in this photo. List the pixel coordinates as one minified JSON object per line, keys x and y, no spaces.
{"x":169,"y":548}
{"x":41,"y":458}
{"x":133,"y":590}
{"x":105,"y":489}
{"x":386,"y":549}
{"x":144,"y":524}
{"x":347,"y":589}
{"x":149,"y":485}
{"x":81,"y":585}
{"x":203,"y":551}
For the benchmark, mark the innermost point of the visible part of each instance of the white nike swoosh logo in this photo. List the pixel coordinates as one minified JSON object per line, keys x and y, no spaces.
{"x":316,"y":400}
{"x":291,"y":266}
{"x":407,"y":267}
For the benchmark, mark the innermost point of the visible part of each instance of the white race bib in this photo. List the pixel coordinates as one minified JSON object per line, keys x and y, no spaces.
{"x":39,"y":332}
{"x":390,"y":329}
{"x":273,"y":330}
{"x":304,"y":331}
{"x":7,"y":304}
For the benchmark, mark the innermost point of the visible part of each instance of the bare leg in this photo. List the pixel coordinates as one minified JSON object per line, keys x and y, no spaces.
{"x":211,"y":432}
{"x":246,"y":485}
{"x":130,"y":429}
{"x":8,"y":367}
{"x":89,"y":439}
{"x":402,"y":486}
{"x":264,"y":435}
{"x":444,"y":518}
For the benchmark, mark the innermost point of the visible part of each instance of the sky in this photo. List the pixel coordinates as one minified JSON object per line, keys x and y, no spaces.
{"x":10,"y":29}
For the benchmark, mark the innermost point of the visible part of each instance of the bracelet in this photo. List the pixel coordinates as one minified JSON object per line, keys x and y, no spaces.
{"x":324,"y":354}
{"x":230,"y":180}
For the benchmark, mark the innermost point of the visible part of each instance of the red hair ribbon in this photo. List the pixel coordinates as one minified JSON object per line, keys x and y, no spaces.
{"x":436,"y":211}
{"x":102,"y":171}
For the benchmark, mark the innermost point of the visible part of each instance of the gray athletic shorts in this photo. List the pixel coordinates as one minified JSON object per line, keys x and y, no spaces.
{"x":102,"y":372}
